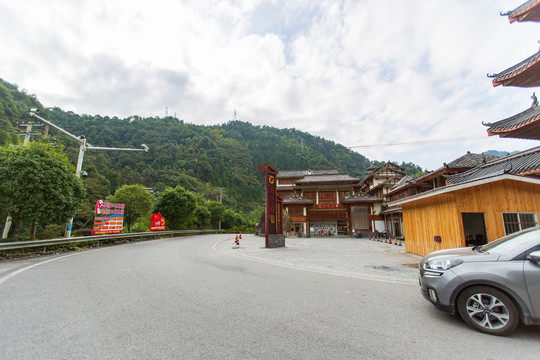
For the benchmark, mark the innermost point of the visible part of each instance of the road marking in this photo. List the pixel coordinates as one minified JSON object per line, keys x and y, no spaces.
{"x":17,"y":272}
{"x":355,"y":276}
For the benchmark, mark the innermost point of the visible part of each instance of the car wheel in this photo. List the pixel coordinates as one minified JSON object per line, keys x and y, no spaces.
{"x":488,"y":310}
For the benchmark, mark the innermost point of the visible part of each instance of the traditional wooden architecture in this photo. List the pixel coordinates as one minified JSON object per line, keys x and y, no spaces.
{"x":325,"y":202}
{"x":527,"y":72}
{"x":525,"y":125}
{"x":529,"y":11}
{"x":477,"y":206}
{"x":378,"y":183}
{"x":409,"y":186}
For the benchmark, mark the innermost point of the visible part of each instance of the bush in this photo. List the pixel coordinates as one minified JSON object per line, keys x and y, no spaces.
{"x":44,"y":235}
{"x":82,"y":232}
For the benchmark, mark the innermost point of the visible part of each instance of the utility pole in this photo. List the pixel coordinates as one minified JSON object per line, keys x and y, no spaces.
{"x":82,"y":149}
{"x":221,"y":202}
{"x":27,"y":135}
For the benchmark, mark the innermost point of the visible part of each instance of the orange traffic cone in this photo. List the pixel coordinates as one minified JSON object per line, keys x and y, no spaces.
{"x":240,"y":236}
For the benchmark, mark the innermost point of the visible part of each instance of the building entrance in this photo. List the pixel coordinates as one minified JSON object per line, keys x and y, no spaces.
{"x":474,"y":228}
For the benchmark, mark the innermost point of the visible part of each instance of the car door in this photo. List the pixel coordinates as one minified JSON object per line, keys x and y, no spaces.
{"x":531,"y":272}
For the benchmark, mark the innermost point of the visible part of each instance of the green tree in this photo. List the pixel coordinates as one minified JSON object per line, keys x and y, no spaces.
{"x":231,"y":219}
{"x":38,"y":185}
{"x":176,"y":205}
{"x":137,"y":200}
{"x":217,"y":211}
{"x":201,"y":217}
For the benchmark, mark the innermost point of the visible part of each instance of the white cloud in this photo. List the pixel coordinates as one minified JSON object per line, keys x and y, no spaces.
{"x":358,"y":72}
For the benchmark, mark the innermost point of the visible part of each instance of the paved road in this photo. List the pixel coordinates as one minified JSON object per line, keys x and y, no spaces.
{"x":188,"y":298}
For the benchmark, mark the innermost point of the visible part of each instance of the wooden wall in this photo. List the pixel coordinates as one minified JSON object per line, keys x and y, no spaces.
{"x":441,"y":214}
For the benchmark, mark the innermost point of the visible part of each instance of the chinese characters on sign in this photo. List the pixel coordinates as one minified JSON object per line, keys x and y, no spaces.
{"x":158,"y":222}
{"x":109,"y":218}
{"x":273,"y":214}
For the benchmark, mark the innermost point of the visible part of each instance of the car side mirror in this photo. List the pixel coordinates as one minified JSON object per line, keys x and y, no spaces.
{"x":534,"y":257}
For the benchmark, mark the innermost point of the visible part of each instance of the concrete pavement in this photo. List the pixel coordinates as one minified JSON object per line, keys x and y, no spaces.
{"x":354,"y":257}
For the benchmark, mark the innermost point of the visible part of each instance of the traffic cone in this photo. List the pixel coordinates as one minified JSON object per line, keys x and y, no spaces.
{"x":378,"y":239}
{"x":395,"y":241}
{"x":369,"y":237}
{"x":240,"y":236}
{"x":390,"y":241}
{"x":236,"y":240}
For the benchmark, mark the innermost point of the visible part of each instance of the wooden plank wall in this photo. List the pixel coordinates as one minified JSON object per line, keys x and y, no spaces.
{"x":495,"y":198}
{"x":424,"y":219}
{"x":441,"y":215}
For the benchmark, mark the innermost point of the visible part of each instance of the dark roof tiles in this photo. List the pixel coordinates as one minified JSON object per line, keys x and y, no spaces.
{"x":524,"y":74}
{"x":529,"y":11}
{"x":522,"y":163}
{"x":516,"y":125}
{"x":301,"y":173}
{"x":326,"y":178}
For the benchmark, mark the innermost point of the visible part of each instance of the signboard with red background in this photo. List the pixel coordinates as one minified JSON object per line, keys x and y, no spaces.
{"x":158,"y":222}
{"x":110,"y":219}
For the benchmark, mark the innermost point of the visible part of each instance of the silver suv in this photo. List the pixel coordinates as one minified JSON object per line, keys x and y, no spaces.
{"x":492,"y":286}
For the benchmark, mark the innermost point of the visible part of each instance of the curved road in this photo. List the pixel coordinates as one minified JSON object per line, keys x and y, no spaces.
{"x":180,"y":299}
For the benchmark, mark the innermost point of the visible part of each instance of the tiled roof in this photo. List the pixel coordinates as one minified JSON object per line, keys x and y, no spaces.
{"x":525,"y":125}
{"x":467,"y":161}
{"x":302,"y":173}
{"x":529,"y":11}
{"x":297,"y":199}
{"x":526,"y":163}
{"x":360,"y":197}
{"x":326,"y":178}
{"x":524,"y":74}
{"x":405,"y":181}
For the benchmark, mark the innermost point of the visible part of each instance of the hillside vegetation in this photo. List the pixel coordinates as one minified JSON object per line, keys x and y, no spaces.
{"x":203,"y":159}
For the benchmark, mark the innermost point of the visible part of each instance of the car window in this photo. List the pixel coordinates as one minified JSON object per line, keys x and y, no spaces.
{"x":513,"y":242}
{"x":523,"y":255}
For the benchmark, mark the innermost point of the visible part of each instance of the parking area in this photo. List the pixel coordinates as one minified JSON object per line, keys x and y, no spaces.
{"x":355,"y":257}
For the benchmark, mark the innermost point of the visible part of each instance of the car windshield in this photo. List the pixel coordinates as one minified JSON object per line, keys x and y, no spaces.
{"x":512,"y":242}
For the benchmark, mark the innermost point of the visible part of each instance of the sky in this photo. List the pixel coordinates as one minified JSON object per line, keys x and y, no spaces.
{"x":395,"y":80}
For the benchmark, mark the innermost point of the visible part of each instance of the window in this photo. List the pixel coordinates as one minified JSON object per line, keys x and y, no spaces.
{"x":360,"y":217}
{"x":514,"y":222}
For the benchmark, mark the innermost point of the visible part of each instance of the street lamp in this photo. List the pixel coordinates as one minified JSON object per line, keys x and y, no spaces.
{"x":82,"y":149}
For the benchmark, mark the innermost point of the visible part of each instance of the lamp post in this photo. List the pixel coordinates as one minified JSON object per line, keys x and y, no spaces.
{"x":82,"y":149}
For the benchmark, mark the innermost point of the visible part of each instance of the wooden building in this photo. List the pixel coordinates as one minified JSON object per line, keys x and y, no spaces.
{"x":325,"y":202}
{"x":477,"y":206}
{"x":409,"y":186}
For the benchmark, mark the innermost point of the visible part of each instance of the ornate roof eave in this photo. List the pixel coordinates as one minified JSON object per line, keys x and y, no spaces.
{"x":529,"y":11}
{"x":525,"y":125}
{"x":296,"y":198}
{"x":360,"y":198}
{"x":524,"y":74}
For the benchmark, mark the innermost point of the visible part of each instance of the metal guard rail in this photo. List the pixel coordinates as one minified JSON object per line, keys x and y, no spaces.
{"x":65,"y":241}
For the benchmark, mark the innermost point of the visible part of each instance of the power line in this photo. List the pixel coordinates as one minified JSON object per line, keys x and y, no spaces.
{"x":418,"y":142}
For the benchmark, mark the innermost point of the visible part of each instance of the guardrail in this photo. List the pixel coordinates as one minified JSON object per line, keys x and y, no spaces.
{"x":84,"y":239}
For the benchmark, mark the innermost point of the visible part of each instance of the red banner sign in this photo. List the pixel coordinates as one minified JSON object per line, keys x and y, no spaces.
{"x":328,"y":206}
{"x":158,"y":222}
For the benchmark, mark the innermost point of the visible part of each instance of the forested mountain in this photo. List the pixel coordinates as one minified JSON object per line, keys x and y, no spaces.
{"x":200,"y":158}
